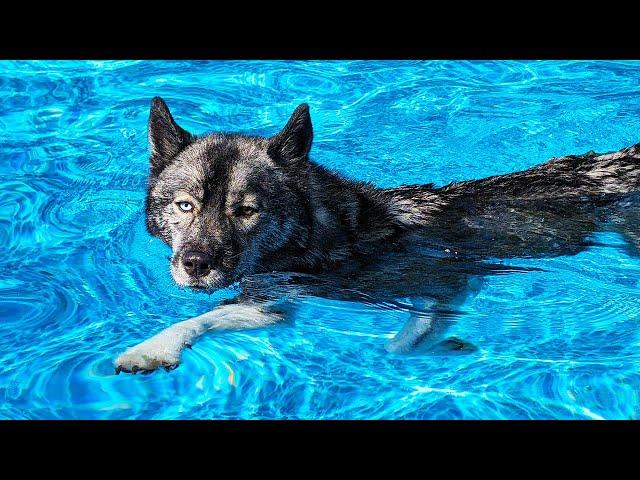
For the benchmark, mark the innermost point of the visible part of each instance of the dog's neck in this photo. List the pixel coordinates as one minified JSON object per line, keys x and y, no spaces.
{"x":347,"y":220}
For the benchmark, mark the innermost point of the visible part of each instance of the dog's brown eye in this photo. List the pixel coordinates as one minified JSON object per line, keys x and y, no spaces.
{"x":185,"y":206}
{"x":246,"y":211}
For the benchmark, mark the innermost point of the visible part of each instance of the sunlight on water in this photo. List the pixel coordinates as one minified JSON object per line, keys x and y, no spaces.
{"x":82,"y":280}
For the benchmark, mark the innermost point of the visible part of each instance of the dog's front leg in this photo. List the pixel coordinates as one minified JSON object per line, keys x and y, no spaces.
{"x":165,"y":349}
{"x":430,"y":319}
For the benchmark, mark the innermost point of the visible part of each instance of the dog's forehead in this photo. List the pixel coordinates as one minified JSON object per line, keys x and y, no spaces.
{"x":234,"y":161}
{"x":226,"y":151}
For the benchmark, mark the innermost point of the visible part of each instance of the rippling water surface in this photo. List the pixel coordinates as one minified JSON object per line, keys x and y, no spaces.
{"x":82,"y":280}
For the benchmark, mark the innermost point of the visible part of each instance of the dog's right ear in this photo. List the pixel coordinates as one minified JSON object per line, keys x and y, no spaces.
{"x":166,"y":137}
{"x":293,"y":143}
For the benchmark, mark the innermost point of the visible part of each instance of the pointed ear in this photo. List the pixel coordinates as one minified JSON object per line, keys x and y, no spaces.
{"x":166,"y":137}
{"x":294,"y":141}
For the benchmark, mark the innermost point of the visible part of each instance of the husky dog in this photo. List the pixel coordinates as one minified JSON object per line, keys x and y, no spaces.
{"x":259,"y":211}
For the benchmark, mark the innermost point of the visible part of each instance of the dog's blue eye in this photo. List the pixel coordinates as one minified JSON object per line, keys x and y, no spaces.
{"x":185,"y":206}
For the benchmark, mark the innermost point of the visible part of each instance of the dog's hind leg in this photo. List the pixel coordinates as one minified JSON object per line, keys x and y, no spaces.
{"x":165,"y":349}
{"x":633,"y":243}
{"x":627,"y":223}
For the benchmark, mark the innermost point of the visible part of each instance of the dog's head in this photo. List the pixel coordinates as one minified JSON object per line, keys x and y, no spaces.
{"x":225,"y":203}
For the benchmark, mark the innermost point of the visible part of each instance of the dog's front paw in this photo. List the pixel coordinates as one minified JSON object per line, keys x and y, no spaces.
{"x":147,"y":357}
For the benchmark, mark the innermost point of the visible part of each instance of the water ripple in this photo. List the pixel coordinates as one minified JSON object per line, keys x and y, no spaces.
{"x":81,"y":279}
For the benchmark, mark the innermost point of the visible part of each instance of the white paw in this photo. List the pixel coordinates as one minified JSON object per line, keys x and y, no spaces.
{"x":149,"y":356}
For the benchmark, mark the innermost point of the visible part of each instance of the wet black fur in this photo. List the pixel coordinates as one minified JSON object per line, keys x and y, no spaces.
{"x":551,"y":209}
{"x":326,"y":235}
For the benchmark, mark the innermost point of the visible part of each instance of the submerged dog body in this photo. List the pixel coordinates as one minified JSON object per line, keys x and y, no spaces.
{"x":233,"y":205}
{"x":260,"y":205}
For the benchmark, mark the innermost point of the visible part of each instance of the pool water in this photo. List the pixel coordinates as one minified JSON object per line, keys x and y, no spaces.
{"x":82,"y":280}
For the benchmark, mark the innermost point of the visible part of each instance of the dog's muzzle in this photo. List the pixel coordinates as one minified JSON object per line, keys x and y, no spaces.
{"x":199,"y":270}
{"x":197,"y":264}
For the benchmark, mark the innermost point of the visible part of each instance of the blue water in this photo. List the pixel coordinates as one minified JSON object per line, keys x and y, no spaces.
{"x":82,"y":280}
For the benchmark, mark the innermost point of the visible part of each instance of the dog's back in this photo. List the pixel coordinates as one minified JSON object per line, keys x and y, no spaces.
{"x":590,"y":175}
{"x":550,"y":209}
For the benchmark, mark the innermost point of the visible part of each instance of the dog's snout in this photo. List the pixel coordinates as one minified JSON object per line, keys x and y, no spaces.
{"x":197,"y":264}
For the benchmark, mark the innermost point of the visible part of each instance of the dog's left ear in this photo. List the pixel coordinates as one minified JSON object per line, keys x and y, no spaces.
{"x":166,"y":137}
{"x":293,"y":143}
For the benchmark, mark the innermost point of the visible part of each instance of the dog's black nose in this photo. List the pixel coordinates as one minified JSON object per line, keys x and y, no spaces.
{"x":197,"y":264}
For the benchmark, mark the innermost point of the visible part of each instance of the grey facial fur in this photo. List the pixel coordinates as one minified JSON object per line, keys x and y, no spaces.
{"x":299,"y":216}
{"x":219,"y":174}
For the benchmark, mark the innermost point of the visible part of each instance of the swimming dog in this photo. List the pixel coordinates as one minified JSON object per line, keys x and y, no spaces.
{"x":259,"y":211}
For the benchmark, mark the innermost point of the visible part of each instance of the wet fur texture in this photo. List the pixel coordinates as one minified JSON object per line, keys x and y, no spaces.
{"x":311,"y":219}
{"x":310,"y":231}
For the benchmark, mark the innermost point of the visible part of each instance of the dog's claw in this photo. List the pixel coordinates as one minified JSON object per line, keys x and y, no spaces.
{"x":135,"y":369}
{"x":151,"y":355}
